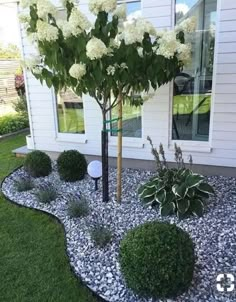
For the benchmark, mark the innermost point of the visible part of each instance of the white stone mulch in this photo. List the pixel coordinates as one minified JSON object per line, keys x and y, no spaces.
{"x":214,"y":234}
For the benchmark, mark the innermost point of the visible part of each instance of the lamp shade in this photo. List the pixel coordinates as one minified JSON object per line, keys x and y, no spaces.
{"x":95,"y":169}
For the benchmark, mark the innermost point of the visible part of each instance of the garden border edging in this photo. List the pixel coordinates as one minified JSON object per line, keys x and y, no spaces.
{"x":97,"y":296}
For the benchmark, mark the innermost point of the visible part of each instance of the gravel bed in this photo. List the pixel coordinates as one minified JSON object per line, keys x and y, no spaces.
{"x":214,"y":234}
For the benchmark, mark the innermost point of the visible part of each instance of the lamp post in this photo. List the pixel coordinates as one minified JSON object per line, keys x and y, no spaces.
{"x":95,"y":171}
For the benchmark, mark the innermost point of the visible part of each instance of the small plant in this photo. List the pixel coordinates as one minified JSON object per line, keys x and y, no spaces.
{"x":157,"y":260}
{"x":24,"y":184}
{"x":13,"y":122}
{"x":38,"y":164}
{"x":72,"y":166}
{"x":78,"y":206}
{"x":46,"y":193}
{"x":101,"y":235}
{"x":178,"y":190}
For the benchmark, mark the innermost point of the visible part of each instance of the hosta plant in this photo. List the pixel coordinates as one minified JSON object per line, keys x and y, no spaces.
{"x":177,"y":191}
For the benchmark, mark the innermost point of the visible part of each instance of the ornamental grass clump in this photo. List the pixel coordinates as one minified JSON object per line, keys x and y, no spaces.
{"x":175,"y":190}
{"x":72,"y":166}
{"x":24,"y":184}
{"x":77,"y":206}
{"x":38,"y":164}
{"x":101,"y":235}
{"x":157,"y":260}
{"x":46,"y":193}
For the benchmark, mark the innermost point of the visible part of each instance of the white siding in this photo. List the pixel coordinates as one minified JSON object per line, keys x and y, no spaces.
{"x":220,"y":151}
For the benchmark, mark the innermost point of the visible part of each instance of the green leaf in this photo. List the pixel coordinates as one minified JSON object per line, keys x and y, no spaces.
{"x":141,"y":189}
{"x":161,"y":196}
{"x":183,"y":205}
{"x":180,"y":190}
{"x":191,"y":192}
{"x":206,"y":188}
{"x":148,"y":192}
{"x":167,"y":209}
{"x":197,"y":207}
{"x":193,"y":180}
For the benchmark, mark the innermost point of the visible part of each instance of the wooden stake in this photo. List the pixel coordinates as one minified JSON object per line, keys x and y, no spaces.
{"x":119,"y":146}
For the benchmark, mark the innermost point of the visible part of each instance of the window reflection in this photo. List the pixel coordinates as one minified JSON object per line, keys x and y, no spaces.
{"x":70,"y":111}
{"x":193,"y":86}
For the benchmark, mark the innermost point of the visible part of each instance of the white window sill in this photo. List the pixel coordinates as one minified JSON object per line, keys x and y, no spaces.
{"x":136,"y":143}
{"x":71,"y":138}
{"x":188,"y":146}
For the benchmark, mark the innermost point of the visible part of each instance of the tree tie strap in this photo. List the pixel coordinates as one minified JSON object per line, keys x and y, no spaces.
{"x":112,"y":120}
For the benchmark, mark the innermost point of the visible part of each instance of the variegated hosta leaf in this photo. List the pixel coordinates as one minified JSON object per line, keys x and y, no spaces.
{"x":167,"y":209}
{"x":160,"y":196}
{"x":180,"y":190}
{"x":194,"y":180}
{"x":183,"y":205}
{"x":206,"y":188}
{"x":147,"y":192}
{"x":197,"y":207}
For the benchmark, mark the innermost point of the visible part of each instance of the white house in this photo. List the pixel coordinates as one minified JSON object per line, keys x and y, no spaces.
{"x":197,"y":110}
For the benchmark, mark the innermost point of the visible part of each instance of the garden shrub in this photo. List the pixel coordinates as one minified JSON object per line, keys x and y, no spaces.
{"x":24,"y":184}
{"x":72,"y":166}
{"x":12,"y":123}
{"x":46,"y":193}
{"x":157,"y":260}
{"x":78,"y":206}
{"x":177,"y":190}
{"x":101,"y":235}
{"x":38,"y":164}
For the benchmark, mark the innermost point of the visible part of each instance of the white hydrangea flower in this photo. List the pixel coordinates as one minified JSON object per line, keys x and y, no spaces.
{"x":114,"y":43}
{"x":144,"y":26}
{"x":140,"y":51}
{"x":37,"y":70}
{"x":27,"y":3}
{"x":168,"y":45}
{"x":123,"y":66}
{"x":96,"y":6}
{"x":23,"y":18}
{"x":184,"y":53}
{"x":46,"y":32}
{"x":45,"y":7}
{"x":96,"y":49}
{"x":31,"y":62}
{"x":120,"y":11}
{"x":32,"y":37}
{"x":111,"y":70}
{"x":77,"y":71}
{"x":78,"y":22}
{"x":65,"y":28}
{"x":189,"y":25}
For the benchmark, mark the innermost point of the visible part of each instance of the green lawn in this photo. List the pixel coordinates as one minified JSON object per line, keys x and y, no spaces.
{"x":33,"y":263}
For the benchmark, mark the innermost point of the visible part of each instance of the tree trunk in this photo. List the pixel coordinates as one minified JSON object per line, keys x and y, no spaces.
{"x":119,"y":146}
{"x":105,"y":181}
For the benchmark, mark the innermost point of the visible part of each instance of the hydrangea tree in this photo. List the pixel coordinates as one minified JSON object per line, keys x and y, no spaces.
{"x":112,"y":60}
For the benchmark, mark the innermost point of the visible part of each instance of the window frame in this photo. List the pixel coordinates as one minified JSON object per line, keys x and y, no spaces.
{"x":188,"y":145}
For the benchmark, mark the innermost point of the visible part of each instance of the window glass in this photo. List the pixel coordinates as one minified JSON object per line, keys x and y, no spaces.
{"x":70,"y":111}
{"x":132,"y":115}
{"x":193,"y":86}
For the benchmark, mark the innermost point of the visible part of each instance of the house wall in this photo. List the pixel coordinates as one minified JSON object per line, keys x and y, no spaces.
{"x":221,"y":148}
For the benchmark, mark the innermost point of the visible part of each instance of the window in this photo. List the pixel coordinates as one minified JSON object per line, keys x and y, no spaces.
{"x":132,"y":116}
{"x":70,"y":113}
{"x":193,"y":86}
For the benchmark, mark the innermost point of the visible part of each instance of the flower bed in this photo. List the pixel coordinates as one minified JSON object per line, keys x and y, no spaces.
{"x":213,"y":234}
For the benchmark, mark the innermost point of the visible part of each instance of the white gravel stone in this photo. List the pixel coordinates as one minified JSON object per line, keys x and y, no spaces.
{"x":214,"y":234}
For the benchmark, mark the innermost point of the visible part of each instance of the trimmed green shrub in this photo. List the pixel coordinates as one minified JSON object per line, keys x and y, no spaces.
{"x":178,"y":190}
{"x":78,"y":206}
{"x":38,"y":164}
{"x":24,"y":184}
{"x":12,"y":123}
{"x":46,"y":193}
{"x":72,"y":166}
{"x":101,"y":236}
{"x":157,"y":260}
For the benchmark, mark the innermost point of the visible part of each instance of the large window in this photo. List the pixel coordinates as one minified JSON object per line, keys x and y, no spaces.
{"x":193,"y":86}
{"x":70,"y":112}
{"x":132,"y":116}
